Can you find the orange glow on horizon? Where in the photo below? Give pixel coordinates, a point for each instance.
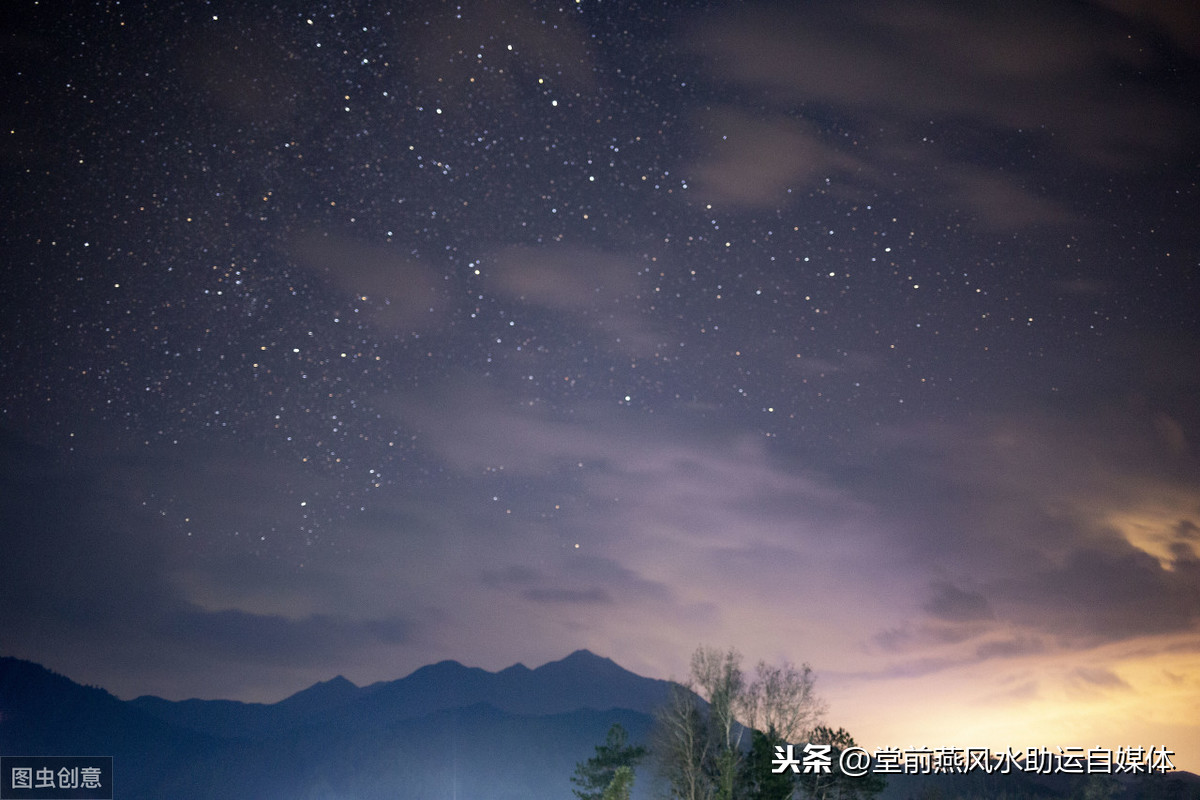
(1120, 695)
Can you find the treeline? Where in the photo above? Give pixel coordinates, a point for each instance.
(727, 735)
(724, 734)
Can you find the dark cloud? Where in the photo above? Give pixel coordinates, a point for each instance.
(1018, 69)
(1010, 648)
(514, 575)
(958, 646)
(593, 596)
(228, 635)
(932, 77)
(923, 636)
(1180, 22)
(538, 587)
(95, 583)
(1096, 594)
(953, 604)
(589, 581)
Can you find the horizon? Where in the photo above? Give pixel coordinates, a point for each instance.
(355, 684)
(995, 747)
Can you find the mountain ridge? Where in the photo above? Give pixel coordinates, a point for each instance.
(441, 732)
(580, 680)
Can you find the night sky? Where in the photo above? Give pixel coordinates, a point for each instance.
(350, 337)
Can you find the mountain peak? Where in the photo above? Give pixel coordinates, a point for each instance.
(322, 694)
(515, 669)
(339, 681)
(445, 670)
(582, 661)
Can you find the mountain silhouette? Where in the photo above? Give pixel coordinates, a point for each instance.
(581, 680)
(444, 731)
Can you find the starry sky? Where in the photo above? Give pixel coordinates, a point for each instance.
(349, 337)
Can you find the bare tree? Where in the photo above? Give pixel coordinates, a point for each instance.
(782, 702)
(681, 744)
(718, 674)
(698, 742)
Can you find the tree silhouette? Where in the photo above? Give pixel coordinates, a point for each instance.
(596, 775)
(759, 779)
(835, 784)
(620, 785)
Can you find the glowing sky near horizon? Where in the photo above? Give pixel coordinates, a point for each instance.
(347, 338)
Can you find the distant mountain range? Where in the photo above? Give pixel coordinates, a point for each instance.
(582, 680)
(445, 732)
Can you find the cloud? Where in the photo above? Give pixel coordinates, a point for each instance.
(564, 278)
(697, 523)
(754, 162)
(248, 638)
(1070, 526)
(932, 647)
(1100, 678)
(999, 201)
(924, 636)
(592, 596)
(1172, 433)
(393, 291)
(585, 580)
(1018, 694)
(1043, 65)
(1010, 648)
(1178, 21)
(597, 294)
(953, 604)
(997, 537)
(94, 583)
(1099, 594)
(977, 107)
